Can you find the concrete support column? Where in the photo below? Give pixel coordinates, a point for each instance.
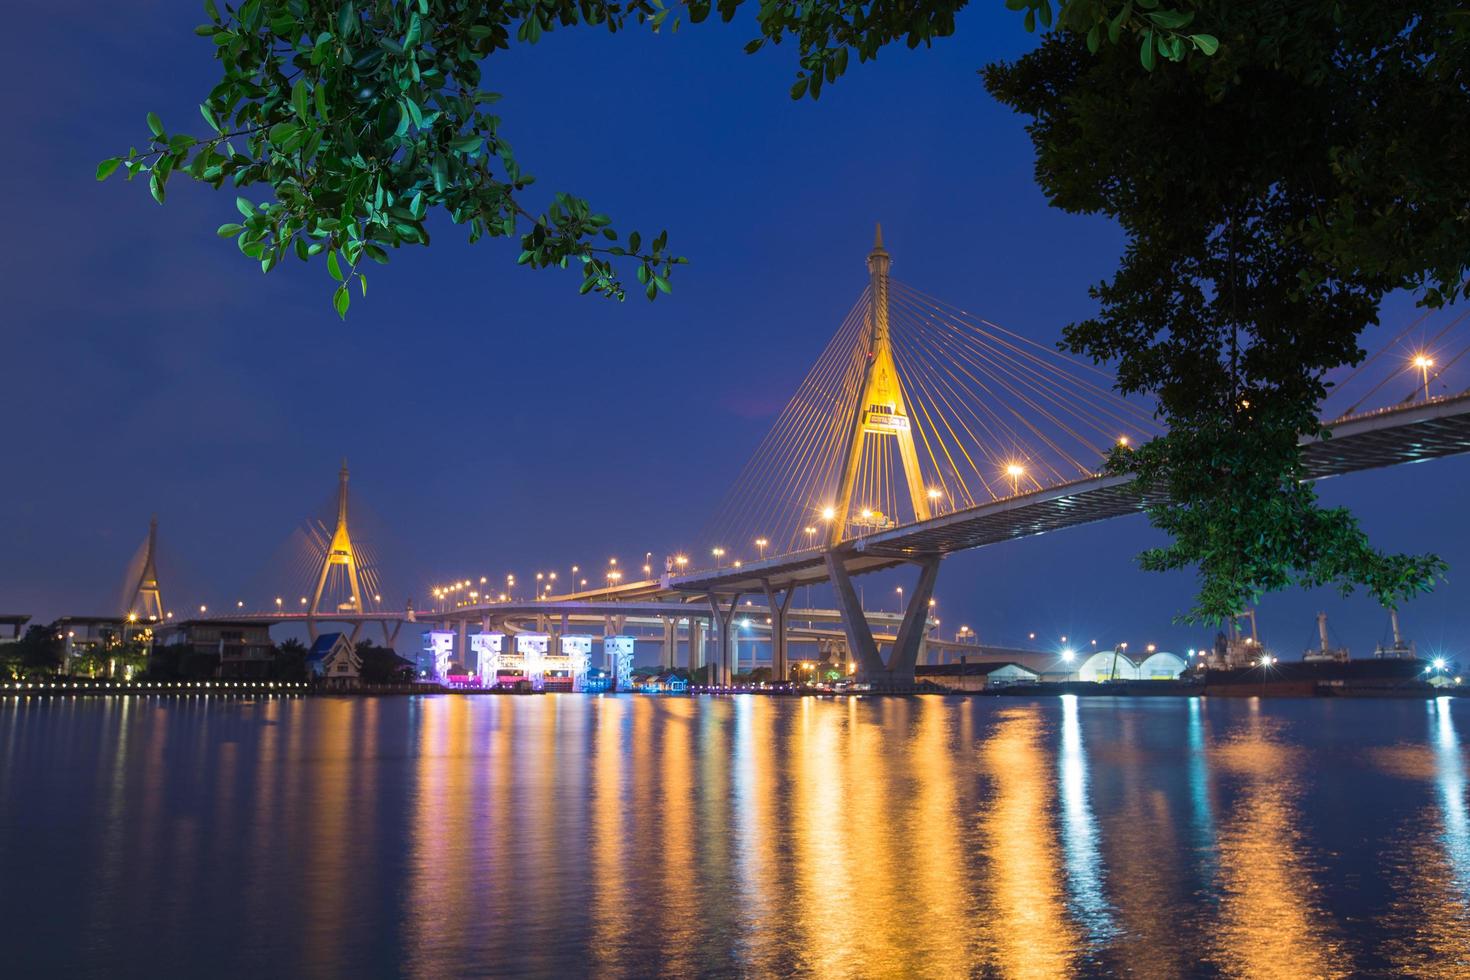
(671, 642)
(696, 644)
(910, 638)
(461, 645)
(780, 667)
(720, 621)
(860, 644)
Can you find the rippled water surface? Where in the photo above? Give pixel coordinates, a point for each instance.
(459, 836)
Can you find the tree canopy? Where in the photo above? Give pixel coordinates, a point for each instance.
(363, 117)
(1271, 196)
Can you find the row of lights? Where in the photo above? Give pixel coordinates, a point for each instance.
(59, 685)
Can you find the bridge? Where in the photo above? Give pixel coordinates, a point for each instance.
(920, 432)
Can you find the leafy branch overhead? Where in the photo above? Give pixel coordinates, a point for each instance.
(1272, 197)
(363, 116)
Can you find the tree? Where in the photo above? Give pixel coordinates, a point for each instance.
(1271, 197)
(288, 661)
(363, 116)
(40, 651)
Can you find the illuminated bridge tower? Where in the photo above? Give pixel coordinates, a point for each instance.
(339, 552)
(146, 602)
(880, 410)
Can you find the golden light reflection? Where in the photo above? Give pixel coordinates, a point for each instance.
(676, 833)
(1028, 933)
(940, 872)
(613, 836)
(1270, 920)
(439, 897)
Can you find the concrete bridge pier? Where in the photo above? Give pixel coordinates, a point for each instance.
(695, 652)
(721, 618)
(779, 608)
(898, 672)
(669, 650)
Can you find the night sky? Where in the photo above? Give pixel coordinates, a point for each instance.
(494, 420)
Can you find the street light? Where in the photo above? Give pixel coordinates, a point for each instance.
(761, 544)
(899, 590)
(810, 535)
(1424, 363)
(1015, 471)
(718, 553)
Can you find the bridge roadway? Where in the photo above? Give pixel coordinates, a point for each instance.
(1407, 434)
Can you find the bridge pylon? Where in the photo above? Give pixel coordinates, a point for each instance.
(339, 552)
(880, 409)
(146, 601)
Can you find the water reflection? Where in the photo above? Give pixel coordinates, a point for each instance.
(1079, 831)
(628, 836)
(1028, 933)
(1430, 854)
(1271, 923)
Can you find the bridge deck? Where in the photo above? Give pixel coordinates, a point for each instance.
(1408, 434)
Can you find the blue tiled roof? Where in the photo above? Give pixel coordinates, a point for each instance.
(323, 646)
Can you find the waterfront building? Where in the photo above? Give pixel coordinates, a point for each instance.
(967, 676)
(16, 624)
(1115, 665)
(243, 647)
(333, 661)
(434, 656)
(1107, 665)
(1161, 666)
(88, 634)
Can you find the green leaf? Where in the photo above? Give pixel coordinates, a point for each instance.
(106, 167)
(155, 125)
(244, 207)
(347, 19)
(1146, 51)
(229, 230)
(362, 281)
(341, 300)
(208, 116)
(1094, 38)
(333, 267)
(300, 97)
(155, 186)
(799, 89)
(1205, 42)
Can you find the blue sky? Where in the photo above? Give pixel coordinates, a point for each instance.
(495, 420)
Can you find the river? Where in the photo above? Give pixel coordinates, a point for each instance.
(446, 836)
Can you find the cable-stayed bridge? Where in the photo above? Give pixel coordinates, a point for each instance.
(921, 431)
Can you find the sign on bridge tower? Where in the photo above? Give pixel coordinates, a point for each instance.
(339, 552)
(146, 602)
(880, 411)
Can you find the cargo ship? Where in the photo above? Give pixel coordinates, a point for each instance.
(1241, 666)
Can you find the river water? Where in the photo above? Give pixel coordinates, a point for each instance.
(446, 836)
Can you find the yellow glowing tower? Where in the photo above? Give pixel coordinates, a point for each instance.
(880, 409)
(339, 552)
(146, 601)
